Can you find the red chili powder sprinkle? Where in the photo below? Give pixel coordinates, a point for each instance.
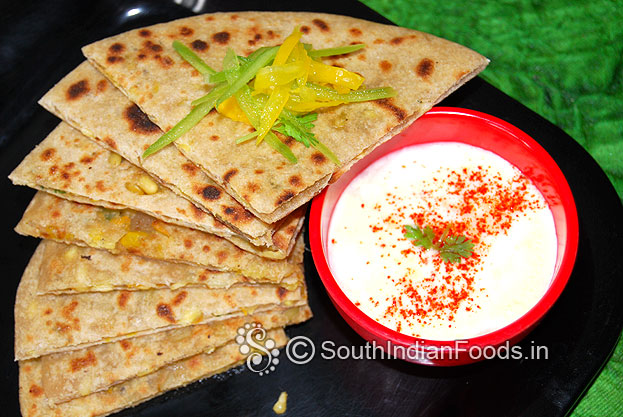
(481, 204)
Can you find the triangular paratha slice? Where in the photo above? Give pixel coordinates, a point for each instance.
(34, 403)
(130, 232)
(102, 113)
(75, 168)
(70, 375)
(47, 324)
(423, 69)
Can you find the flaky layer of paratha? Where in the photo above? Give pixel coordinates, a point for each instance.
(75, 168)
(47, 324)
(422, 69)
(128, 231)
(75, 269)
(75, 374)
(34, 403)
(88, 102)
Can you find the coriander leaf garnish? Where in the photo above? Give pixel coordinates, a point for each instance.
(451, 248)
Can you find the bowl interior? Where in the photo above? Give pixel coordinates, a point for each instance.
(487, 132)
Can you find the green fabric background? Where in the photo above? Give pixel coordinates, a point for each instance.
(564, 60)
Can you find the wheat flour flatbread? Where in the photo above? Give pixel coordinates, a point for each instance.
(423, 69)
(73, 167)
(70, 375)
(130, 232)
(34, 403)
(87, 101)
(47, 324)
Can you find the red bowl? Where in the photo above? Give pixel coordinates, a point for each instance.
(446, 124)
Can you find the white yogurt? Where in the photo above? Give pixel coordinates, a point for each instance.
(412, 290)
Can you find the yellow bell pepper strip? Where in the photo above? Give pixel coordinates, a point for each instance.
(336, 76)
(274, 75)
(276, 101)
(287, 47)
(251, 107)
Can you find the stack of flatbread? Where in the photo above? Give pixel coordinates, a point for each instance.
(149, 266)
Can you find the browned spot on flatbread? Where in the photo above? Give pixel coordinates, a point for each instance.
(77, 90)
(138, 121)
(211, 193)
(100, 186)
(125, 265)
(69, 309)
(35, 390)
(238, 214)
(253, 187)
(425, 68)
(397, 41)
(271, 34)
(197, 212)
(321, 24)
(229, 174)
(289, 141)
(188, 243)
(221, 256)
(205, 248)
(164, 311)
(257, 37)
(285, 196)
(305, 29)
(378, 41)
(234, 17)
(165, 61)
(214, 137)
(116, 48)
(190, 168)
(199, 45)
(318, 159)
(142, 56)
(209, 18)
(102, 85)
(153, 46)
(355, 31)
(203, 276)
(259, 171)
(122, 298)
(221, 38)
(47, 154)
(388, 104)
(110, 142)
(279, 241)
(186, 31)
(80, 363)
(125, 344)
(460, 74)
(295, 181)
(87, 159)
(282, 292)
(385, 65)
(144, 33)
(48, 311)
(179, 298)
(113, 59)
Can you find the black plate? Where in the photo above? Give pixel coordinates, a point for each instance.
(40, 43)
